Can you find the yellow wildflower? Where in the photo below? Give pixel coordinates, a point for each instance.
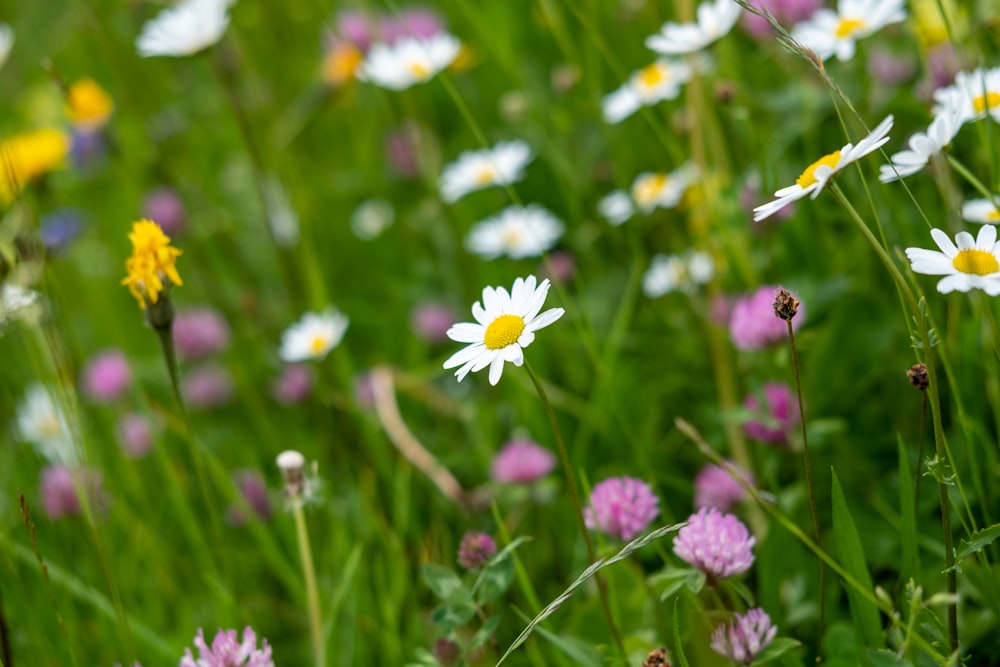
(87, 104)
(27, 156)
(151, 267)
(340, 64)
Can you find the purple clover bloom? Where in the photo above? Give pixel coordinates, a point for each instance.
(476, 550)
(621, 507)
(164, 206)
(787, 12)
(210, 386)
(200, 332)
(227, 651)
(431, 321)
(715, 487)
(743, 639)
(135, 434)
(778, 417)
(753, 324)
(522, 462)
(293, 385)
(107, 376)
(718, 544)
(60, 495)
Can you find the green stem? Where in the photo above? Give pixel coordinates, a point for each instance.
(312, 593)
(809, 482)
(971, 178)
(991, 319)
(602, 586)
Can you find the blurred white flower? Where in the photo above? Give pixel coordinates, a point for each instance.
(830, 32)
(923, 145)
(660, 81)
(818, 174)
(281, 217)
(474, 170)
(668, 273)
(517, 232)
(408, 61)
(714, 20)
(42, 422)
(652, 190)
(983, 211)
(977, 93)
(313, 336)
(371, 218)
(616, 207)
(14, 300)
(184, 29)
(6, 42)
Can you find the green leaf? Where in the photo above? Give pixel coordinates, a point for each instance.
(776, 649)
(852, 557)
(674, 579)
(445, 584)
(976, 543)
(447, 617)
(907, 516)
(885, 658)
(483, 634)
(682, 660)
(496, 579)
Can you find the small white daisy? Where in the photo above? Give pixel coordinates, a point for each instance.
(830, 33)
(667, 273)
(653, 190)
(42, 422)
(505, 325)
(714, 20)
(978, 93)
(983, 211)
(6, 42)
(408, 61)
(923, 145)
(616, 207)
(818, 174)
(313, 336)
(184, 29)
(517, 232)
(966, 264)
(474, 170)
(654, 83)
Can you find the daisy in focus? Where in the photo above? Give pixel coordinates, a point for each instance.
(151, 268)
(505, 324)
(714, 20)
(184, 29)
(924, 145)
(830, 33)
(966, 263)
(668, 273)
(818, 174)
(409, 61)
(517, 232)
(313, 336)
(654, 83)
(474, 170)
(983, 211)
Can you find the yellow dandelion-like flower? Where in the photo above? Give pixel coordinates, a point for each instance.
(88, 105)
(25, 157)
(341, 63)
(151, 267)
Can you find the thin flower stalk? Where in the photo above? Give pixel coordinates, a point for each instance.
(312, 592)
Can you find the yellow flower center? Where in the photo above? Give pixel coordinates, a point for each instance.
(808, 177)
(974, 260)
(993, 215)
(511, 237)
(503, 331)
(487, 174)
(986, 102)
(87, 104)
(318, 344)
(419, 71)
(652, 75)
(50, 426)
(848, 27)
(647, 189)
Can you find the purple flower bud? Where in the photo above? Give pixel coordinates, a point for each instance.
(777, 419)
(560, 268)
(745, 637)
(253, 488)
(786, 12)
(717, 544)
(206, 387)
(135, 434)
(164, 206)
(621, 507)
(476, 550)
(715, 487)
(107, 376)
(431, 321)
(59, 487)
(200, 332)
(521, 462)
(293, 385)
(227, 651)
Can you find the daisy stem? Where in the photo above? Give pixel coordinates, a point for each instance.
(984, 305)
(312, 593)
(602, 586)
(971, 178)
(942, 452)
(809, 481)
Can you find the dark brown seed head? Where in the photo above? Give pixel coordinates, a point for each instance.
(657, 658)
(917, 375)
(785, 305)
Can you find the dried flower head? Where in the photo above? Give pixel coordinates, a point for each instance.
(657, 658)
(151, 269)
(718, 544)
(917, 375)
(785, 305)
(292, 465)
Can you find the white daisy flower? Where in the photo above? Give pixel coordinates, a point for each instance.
(184, 29)
(715, 20)
(983, 211)
(818, 174)
(616, 207)
(474, 170)
(978, 93)
(517, 232)
(966, 263)
(408, 61)
(667, 273)
(6, 42)
(505, 325)
(923, 145)
(42, 422)
(830, 33)
(660, 81)
(313, 336)
(652, 190)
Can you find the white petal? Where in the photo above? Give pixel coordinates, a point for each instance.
(465, 355)
(466, 332)
(945, 243)
(496, 369)
(545, 319)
